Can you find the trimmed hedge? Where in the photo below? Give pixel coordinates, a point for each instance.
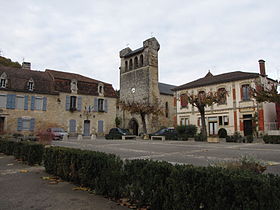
(29, 152)
(159, 185)
(162, 185)
(271, 139)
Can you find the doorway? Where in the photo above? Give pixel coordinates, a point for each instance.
(133, 125)
(247, 125)
(87, 128)
(213, 126)
(2, 121)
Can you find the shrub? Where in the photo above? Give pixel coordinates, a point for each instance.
(248, 163)
(271, 139)
(186, 130)
(249, 139)
(97, 170)
(222, 133)
(235, 138)
(29, 152)
(181, 129)
(199, 137)
(191, 130)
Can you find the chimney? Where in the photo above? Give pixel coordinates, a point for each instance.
(262, 67)
(26, 65)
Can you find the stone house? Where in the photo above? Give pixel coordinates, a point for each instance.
(31, 101)
(238, 112)
(139, 83)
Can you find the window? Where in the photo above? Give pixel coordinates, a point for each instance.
(30, 85)
(199, 121)
(184, 100)
(135, 62)
(100, 89)
(3, 83)
(184, 121)
(222, 96)
(25, 124)
(73, 100)
(74, 87)
(3, 101)
(126, 66)
(202, 95)
(166, 109)
(130, 64)
(101, 105)
(141, 61)
(38, 103)
(223, 120)
(3, 80)
(20, 102)
(245, 92)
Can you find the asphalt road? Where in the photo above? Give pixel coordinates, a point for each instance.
(22, 187)
(182, 152)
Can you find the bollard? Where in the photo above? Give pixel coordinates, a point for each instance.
(65, 138)
(93, 137)
(80, 137)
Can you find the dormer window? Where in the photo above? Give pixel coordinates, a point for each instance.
(100, 89)
(3, 80)
(30, 85)
(74, 87)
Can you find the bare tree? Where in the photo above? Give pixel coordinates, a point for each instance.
(202, 100)
(142, 109)
(265, 93)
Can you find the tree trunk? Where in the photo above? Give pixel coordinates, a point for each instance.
(201, 110)
(143, 115)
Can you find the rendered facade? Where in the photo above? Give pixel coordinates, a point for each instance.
(239, 112)
(31, 101)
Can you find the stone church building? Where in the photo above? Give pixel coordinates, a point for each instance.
(139, 83)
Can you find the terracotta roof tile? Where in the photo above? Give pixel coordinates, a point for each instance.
(210, 79)
(18, 79)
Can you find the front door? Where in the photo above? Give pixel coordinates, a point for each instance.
(248, 129)
(86, 128)
(133, 125)
(213, 128)
(2, 120)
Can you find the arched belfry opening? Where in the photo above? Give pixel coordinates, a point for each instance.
(134, 126)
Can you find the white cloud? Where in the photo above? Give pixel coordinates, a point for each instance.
(86, 36)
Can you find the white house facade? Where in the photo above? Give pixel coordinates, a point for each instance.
(238, 112)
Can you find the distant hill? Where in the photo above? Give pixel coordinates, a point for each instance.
(8, 62)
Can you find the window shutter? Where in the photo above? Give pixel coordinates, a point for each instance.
(19, 124)
(25, 102)
(72, 126)
(100, 126)
(45, 104)
(67, 104)
(32, 124)
(32, 103)
(241, 92)
(79, 103)
(9, 101)
(13, 101)
(95, 104)
(106, 105)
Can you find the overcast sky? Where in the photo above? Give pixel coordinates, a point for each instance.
(86, 36)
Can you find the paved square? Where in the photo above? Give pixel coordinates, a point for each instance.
(181, 152)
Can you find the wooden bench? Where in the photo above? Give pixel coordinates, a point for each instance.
(162, 138)
(128, 137)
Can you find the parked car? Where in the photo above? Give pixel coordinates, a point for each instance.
(117, 133)
(57, 133)
(169, 133)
